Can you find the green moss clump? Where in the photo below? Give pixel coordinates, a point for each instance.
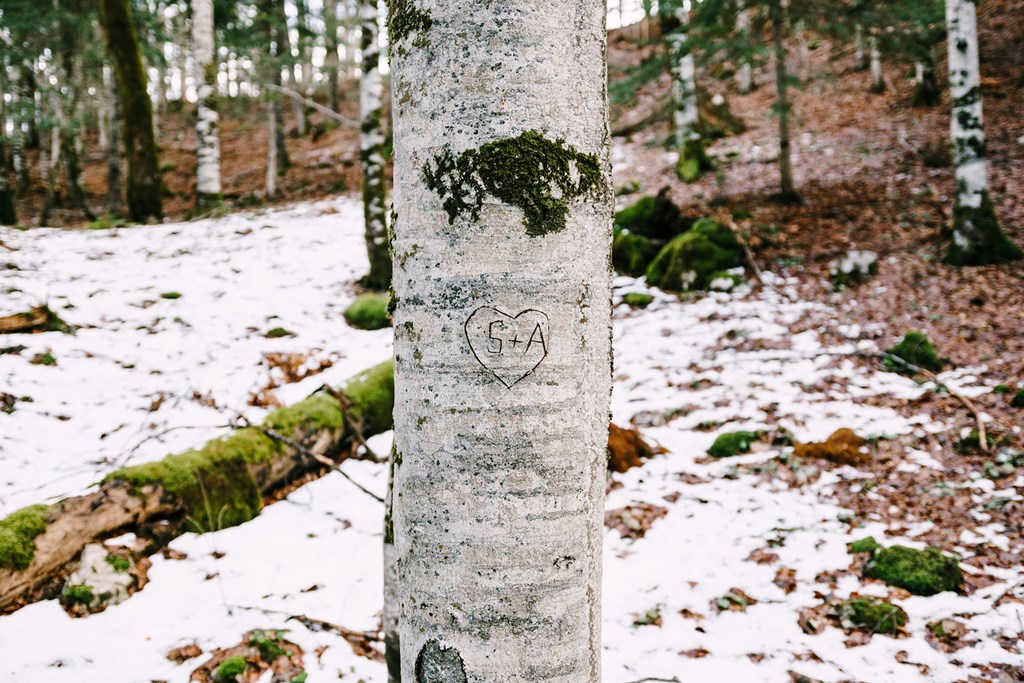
(981, 240)
(690, 260)
(316, 412)
(916, 349)
(631, 254)
(106, 222)
(922, 572)
(171, 295)
(368, 312)
(522, 171)
(405, 20)
(277, 333)
(1018, 399)
(864, 545)
(656, 217)
(873, 615)
(732, 443)
(77, 595)
(120, 564)
(373, 398)
(230, 669)
(268, 644)
(637, 299)
(18, 532)
(693, 160)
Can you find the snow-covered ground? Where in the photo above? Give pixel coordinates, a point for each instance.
(678, 368)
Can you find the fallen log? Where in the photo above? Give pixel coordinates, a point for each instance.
(36, 319)
(224, 483)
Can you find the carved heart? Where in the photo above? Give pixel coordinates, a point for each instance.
(510, 347)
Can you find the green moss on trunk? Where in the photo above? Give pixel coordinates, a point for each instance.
(523, 171)
(144, 186)
(693, 160)
(18, 533)
(977, 238)
(405, 20)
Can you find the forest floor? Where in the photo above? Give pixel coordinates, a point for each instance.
(715, 568)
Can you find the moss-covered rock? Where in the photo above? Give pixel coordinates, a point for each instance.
(656, 217)
(368, 312)
(864, 545)
(922, 572)
(18, 532)
(916, 349)
(631, 254)
(732, 443)
(870, 614)
(1018, 399)
(689, 260)
(637, 299)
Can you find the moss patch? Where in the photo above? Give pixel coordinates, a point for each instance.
(922, 572)
(18, 533)
(1018, 399)
(873, 615)
(404, 20)
(732, 443)
(369, 312)
(985, 241)
(77, 595)
(916, 349)
(656, 217)
(373, 398)
(637, 299)
(524, 171)
(864, 545)
(230, 669)
(689, 260)
(631, 254)
(693, 161)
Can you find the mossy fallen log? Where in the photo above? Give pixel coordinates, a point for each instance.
(221, 484)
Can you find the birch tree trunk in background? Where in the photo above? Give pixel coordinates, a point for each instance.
(860, 55)
(371, 94)
(692, 159)
(115, 206)
(143, 187)
(208, 178)
(331, 59)
(502, 337)
(926, 85)
(745, 74)
(977, 237)
(7, 213)
(877, 77)
(778, 17)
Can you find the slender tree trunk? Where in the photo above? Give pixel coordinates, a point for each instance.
(860, 55)
(977, 237)
(272, 156)
(331, 45)
(208, 180)
(745, 74)
(52, 170)
(782, 109)
(8, 215)
(877, 77)
(502, 353)
(692, 159)
(350, 31)
(280, 57)
(926, 85)
(391, 608)
(28, 96)
(115, 205)
(72, 120)
(371, 95)
(181, 56)
(144, 187)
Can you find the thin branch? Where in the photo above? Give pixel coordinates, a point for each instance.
(356, 425)
(329, 113)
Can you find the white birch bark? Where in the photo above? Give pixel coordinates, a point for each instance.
(371, 95)
(977, 237)
(745, 74)
(686, 117)
(860, 55)
(208, 176)
(877, 77)
(502, 344)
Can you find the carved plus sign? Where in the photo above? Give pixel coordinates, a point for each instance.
(514, 341)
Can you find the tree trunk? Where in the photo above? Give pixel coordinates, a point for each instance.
(502, 346)
(977, 237)
(745, 74)
(331, 45)
(926, 85)
(71, 120)
(272, 155)
(693, 161)
(28, 96)
(860, 55)
(208, 180)
(219, 485)
(371, 94)
(144, 187)
(8, 216)
(182, 55)
(115, 206)
(280, 57)
(877, 77)
(788, 192)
